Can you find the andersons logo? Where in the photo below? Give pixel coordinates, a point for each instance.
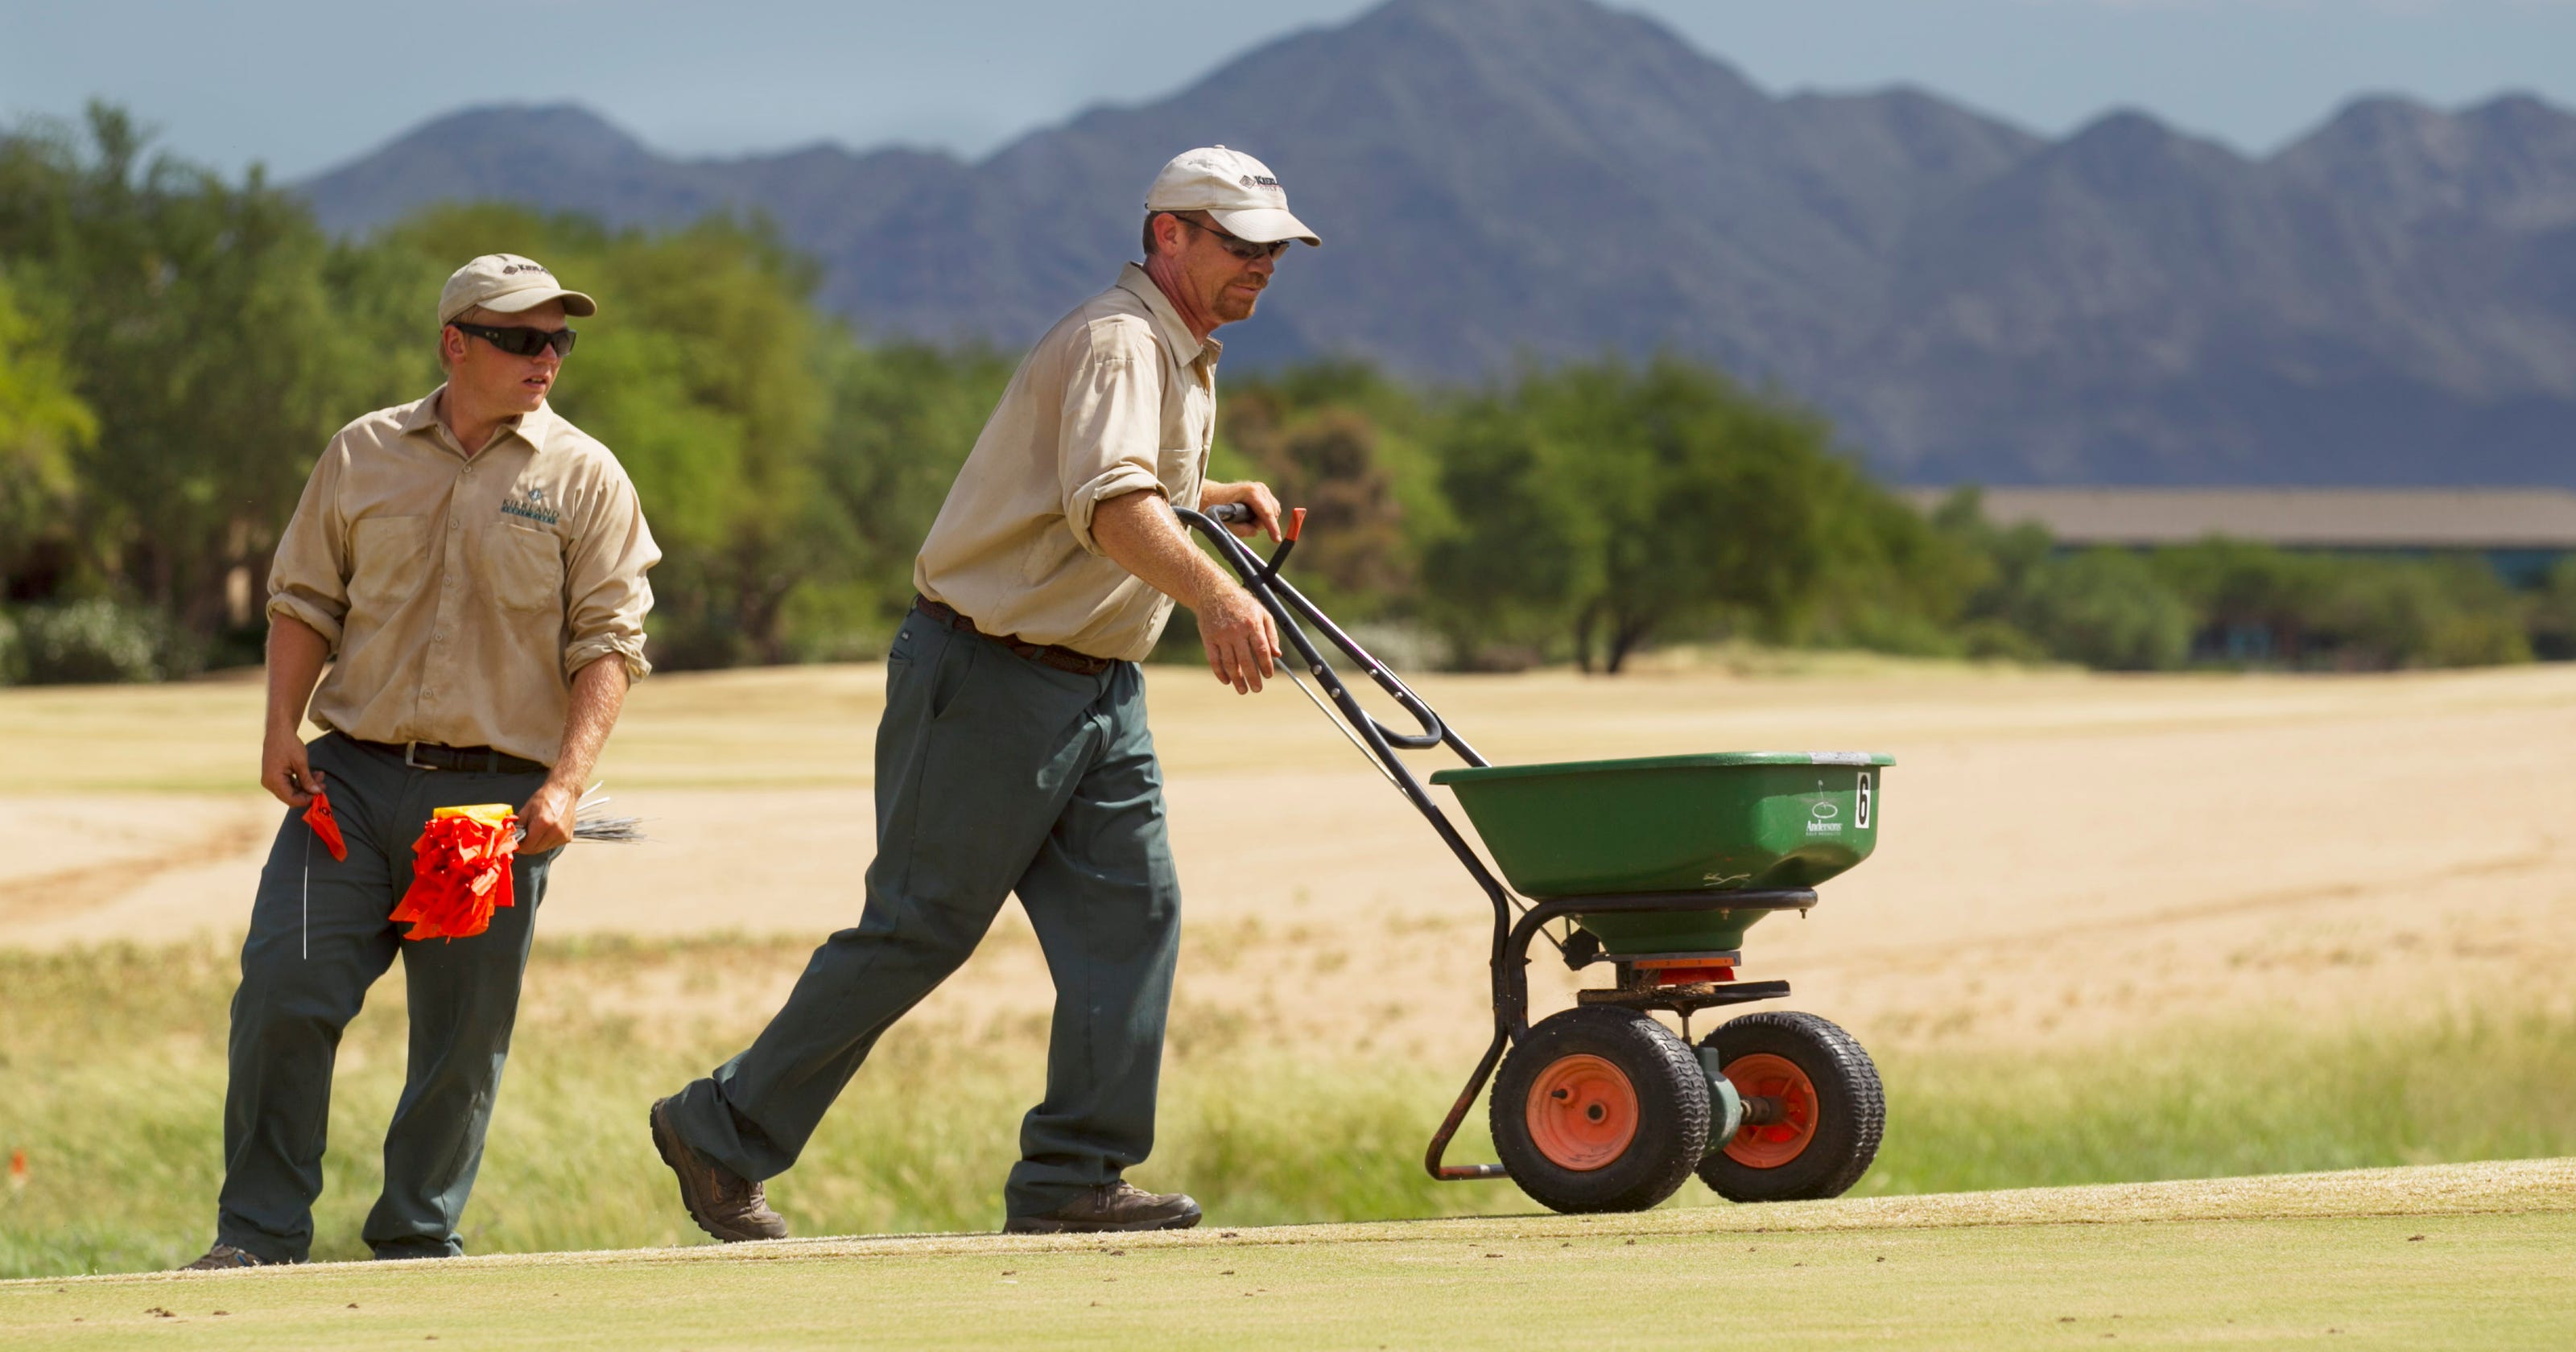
(532, 505)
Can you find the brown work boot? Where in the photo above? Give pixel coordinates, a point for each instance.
(224, 1258)
(1111, 1206)
(723, 1203)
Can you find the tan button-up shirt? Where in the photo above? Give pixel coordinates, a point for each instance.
(460, 594)
(1116, 398)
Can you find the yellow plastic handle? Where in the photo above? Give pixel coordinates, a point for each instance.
(495, 815)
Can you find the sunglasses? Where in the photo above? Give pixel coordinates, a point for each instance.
(519, 342)
(1237, 245)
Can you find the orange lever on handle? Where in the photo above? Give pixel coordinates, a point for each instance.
(1296, 521)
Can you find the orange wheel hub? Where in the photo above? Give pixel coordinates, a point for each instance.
(1762, 1075)
(1582, 1112)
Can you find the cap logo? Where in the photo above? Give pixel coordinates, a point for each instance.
(514, 269)
(1264, 180)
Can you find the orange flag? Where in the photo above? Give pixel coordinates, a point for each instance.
(460, 872)
(319, 817)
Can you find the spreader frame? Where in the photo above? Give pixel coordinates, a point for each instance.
(1509, 952)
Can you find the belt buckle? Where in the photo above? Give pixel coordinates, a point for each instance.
(411, 756)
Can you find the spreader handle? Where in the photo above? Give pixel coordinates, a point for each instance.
(1260, 574)
(1237, 514)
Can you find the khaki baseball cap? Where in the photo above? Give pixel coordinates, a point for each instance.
(507, 284)
(1236, 189)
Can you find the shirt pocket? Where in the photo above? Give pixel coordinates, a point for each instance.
(521, 569)
(388, 563)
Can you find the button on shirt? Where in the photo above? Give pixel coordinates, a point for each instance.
(459, 594)
(1117, 398)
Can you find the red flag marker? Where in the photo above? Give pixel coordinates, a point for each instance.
(326, 826)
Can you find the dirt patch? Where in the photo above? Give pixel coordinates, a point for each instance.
(2065, 856)
(63, 859)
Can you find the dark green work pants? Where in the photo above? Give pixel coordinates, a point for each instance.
(995, 774)
(314, 949)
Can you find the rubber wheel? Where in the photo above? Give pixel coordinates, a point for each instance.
(1600, 1109)
(1833, 1109)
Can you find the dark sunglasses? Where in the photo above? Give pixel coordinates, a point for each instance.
(1236, 244)
(519, 342)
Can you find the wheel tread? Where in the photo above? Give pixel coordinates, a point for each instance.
(1848, 1075)
(1674, 1104)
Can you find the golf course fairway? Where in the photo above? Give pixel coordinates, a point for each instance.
(2469, 1256)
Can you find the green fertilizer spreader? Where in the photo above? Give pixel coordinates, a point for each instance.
(1651, 868)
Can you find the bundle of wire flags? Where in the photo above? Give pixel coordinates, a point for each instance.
(460, 872)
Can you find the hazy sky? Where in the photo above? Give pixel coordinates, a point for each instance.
(302, 84)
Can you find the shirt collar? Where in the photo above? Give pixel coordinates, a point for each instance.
(422, 414)
(536, 427)
(531, 428)
(1177, 338)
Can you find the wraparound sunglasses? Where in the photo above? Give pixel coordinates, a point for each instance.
(519, 341)
(1235, 244)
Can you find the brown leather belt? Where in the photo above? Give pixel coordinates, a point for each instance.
(1045, 654)
(471, 759)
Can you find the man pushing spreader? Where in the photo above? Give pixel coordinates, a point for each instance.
(1013, 755)
(472, 568)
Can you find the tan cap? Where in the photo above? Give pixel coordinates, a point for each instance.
(1238, 190)
(507, 284)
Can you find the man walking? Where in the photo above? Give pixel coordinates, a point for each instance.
(1013, 755)
(472, 566)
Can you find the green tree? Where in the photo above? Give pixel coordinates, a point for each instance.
(2105, 608)
(903, 418)
(201, 324)
(1900, 582)
(2001, 563)
(1519, 559)
(2240, 588)
(2552, 622)
(1326, 455)
(1609, 503)
(43, 427)
(2384, 613)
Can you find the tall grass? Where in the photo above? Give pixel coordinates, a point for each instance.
(2221, 1099)
(112, 1079)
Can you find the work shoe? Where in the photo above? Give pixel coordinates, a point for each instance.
(1111, 1206)
(224, 1258)
(723, 1203)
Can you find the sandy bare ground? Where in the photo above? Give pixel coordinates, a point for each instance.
(2063, 855)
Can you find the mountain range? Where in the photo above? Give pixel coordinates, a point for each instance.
(2389, 300)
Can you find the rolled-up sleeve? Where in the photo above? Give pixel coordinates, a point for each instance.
(308, 581)
(1112, 429)
(605, 588)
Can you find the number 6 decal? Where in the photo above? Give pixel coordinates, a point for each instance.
(1860, 817)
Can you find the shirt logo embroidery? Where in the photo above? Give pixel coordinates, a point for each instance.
(532, 506)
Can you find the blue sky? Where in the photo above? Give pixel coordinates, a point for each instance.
(301, 84)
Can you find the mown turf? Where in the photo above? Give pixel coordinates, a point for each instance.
(2252, 1262)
